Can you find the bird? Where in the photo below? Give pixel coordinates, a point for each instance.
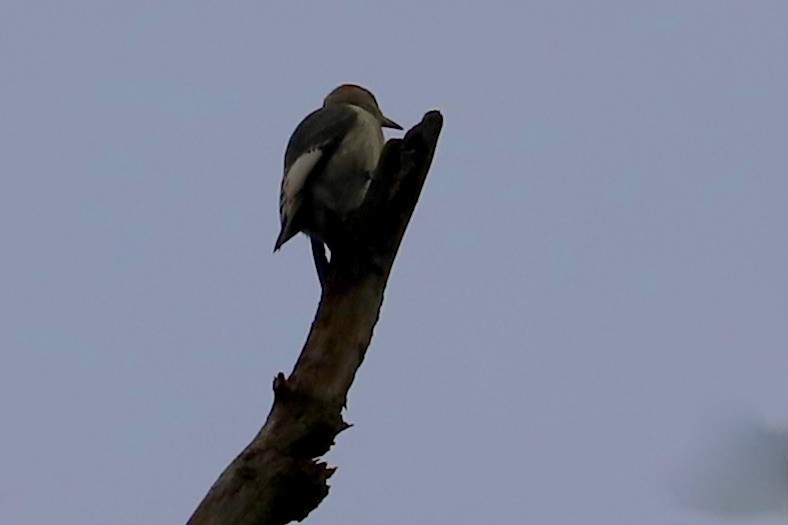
(328, 167)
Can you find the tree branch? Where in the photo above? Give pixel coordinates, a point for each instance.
(277, 479)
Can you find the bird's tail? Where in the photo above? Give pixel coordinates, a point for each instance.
(285, 235)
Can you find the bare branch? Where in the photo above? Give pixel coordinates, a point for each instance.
(277, 478)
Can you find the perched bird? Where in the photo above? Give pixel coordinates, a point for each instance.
(328, 165)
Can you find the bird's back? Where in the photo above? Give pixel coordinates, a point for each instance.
(320, 129)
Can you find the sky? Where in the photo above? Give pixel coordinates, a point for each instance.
(587, 320)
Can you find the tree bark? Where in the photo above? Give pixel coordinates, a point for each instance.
(277, 478)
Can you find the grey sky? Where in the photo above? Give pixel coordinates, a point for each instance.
(595, 274)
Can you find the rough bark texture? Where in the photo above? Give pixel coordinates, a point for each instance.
(277, 478)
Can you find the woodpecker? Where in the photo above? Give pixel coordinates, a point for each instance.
(328, 168)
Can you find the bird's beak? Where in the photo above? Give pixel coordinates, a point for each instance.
(388, 123)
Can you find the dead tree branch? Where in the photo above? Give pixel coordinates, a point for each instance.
(277, 478)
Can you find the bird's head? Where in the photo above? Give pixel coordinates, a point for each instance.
(361, 97)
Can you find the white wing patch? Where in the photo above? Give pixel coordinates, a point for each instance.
(293, 183)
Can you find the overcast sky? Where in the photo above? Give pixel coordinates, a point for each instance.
(588, 319)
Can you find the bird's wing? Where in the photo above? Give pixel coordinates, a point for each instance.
(293, 182)
(322, 128)
(311, 145)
